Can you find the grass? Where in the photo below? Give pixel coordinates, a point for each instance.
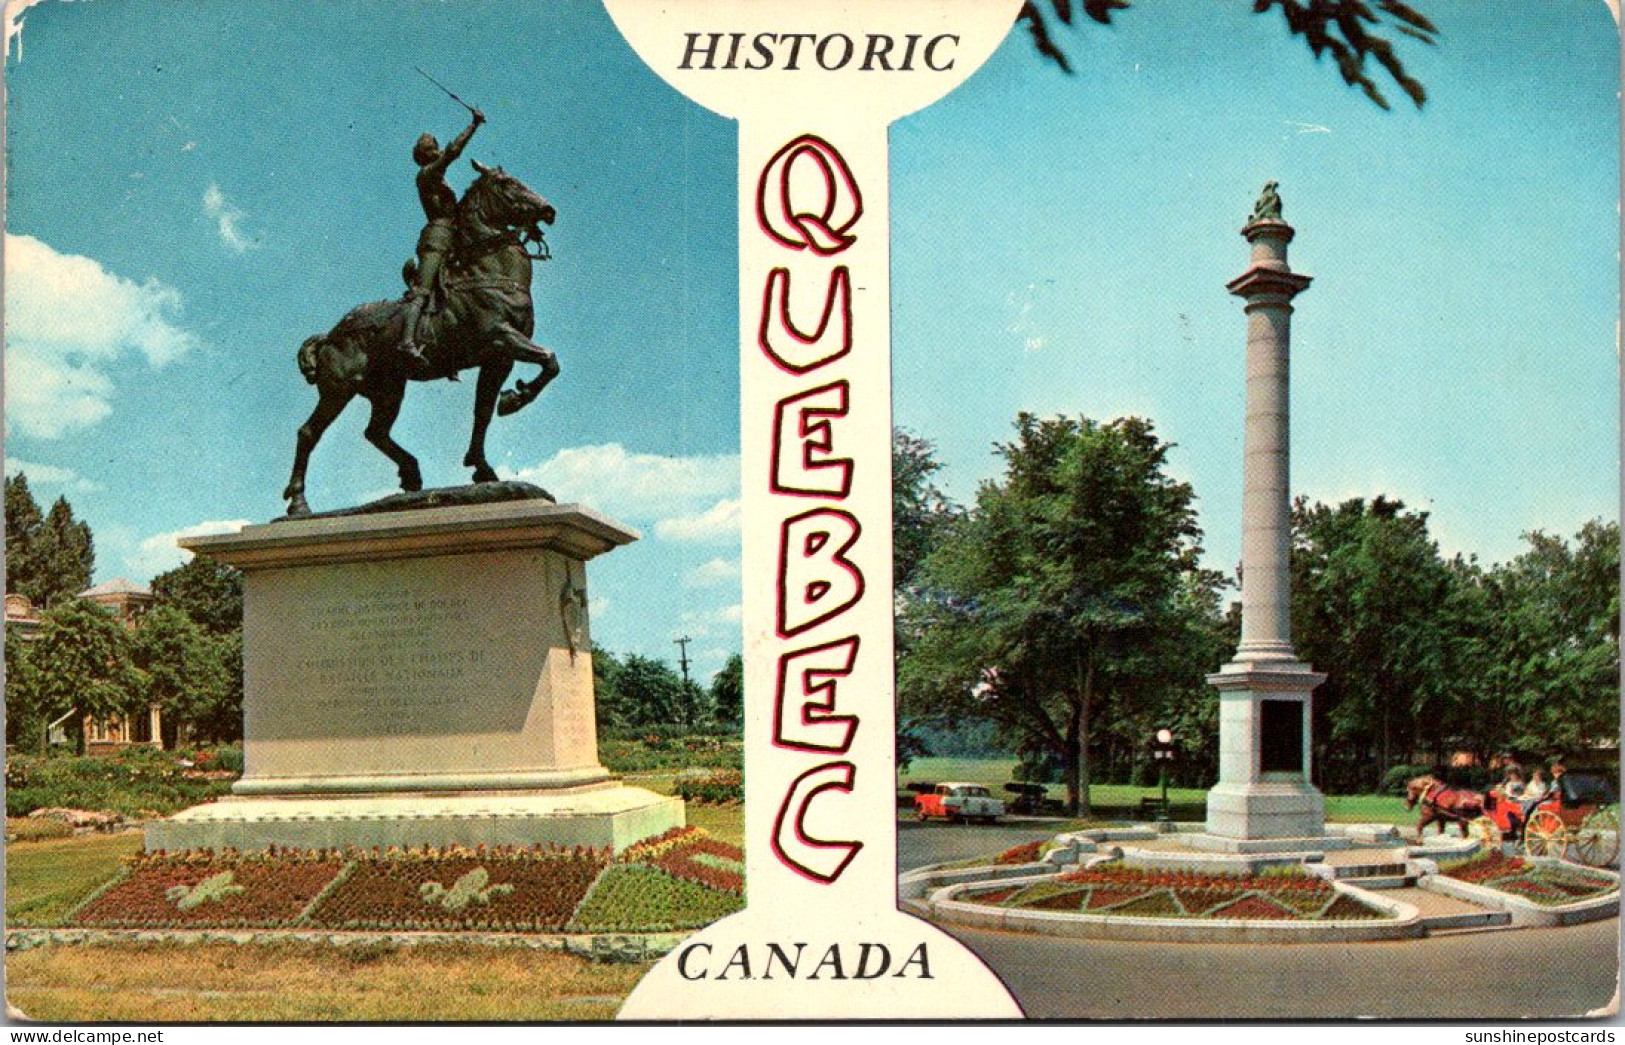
(1122, 801)
(155, 983)
(46, 880)
(726, 823)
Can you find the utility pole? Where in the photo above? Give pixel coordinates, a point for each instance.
(682, 656)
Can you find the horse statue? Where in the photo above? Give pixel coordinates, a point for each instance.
(1442, 804)
(486, 321)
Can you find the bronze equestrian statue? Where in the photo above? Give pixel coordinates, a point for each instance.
(485, 321)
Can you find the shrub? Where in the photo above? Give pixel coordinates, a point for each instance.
(25, 829)
(651, 747)
(137, 782)
(722, 786)
(1394, 781)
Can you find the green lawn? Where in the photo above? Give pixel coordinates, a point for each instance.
(46, 880)
(1122, 801)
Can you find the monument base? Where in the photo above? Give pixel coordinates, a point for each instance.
(610, 816)
(1268, 811)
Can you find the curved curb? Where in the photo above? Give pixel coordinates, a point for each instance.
(621, 947)
(1404, 921)
(1526, 912)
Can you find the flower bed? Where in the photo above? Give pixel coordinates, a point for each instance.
(640, 898)
(196, 890)
(1114, 889)
(1020, 854)
(520, 890)
(716, 788)
(681, 880)
(1547, 884)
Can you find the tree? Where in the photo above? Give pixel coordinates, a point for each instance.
(921, 513)
(220, 719)
(1369, 588)
(49, 557)
(207, 591)
(81, 660)
(921, 516)
(185, 673)
(26, 714)
(651, 692)
(728, 693)
(1555, 636)
(609, 703)
(1063, 594)
(67, 553)
(1350, 30)
(23, 523)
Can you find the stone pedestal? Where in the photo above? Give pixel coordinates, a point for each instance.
(1264, 754)
(420, 676)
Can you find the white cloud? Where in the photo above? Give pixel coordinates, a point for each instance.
(229, 220)
(67, 320)
(159, 552)
(634, 486)
(51, 475)
(717, 523)
(706, 623)
(708, 574)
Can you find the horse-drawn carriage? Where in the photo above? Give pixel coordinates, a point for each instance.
(1578, 819)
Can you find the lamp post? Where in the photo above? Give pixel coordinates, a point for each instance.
(1163, 750)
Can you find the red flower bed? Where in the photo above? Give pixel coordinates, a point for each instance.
(1488, 867)
(1149, 878)
(1253, 907)
(1195, 901)
(995, 896)
(1101, 896)
(1020, 854)
(504, 891)
(1068, 901)
(195, 891)
(681, 864)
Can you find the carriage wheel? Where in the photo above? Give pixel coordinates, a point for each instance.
(1486, 831)
(1545, 835)
(1597, 842)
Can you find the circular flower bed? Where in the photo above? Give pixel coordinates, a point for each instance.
(1115, 889)
(1546, 884)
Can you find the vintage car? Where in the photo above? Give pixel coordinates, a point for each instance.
(959, 801)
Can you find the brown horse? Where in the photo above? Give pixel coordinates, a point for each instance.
(1442, 804)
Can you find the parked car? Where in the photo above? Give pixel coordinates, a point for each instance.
(1033, 799)
(959, 801)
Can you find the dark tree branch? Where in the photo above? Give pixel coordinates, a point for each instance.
(1348, 29)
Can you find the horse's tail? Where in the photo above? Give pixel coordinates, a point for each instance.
(307, 357)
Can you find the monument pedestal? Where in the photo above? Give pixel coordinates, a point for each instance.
(420, 676)
(1264, 791)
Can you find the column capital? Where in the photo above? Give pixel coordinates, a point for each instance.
(1262, 280)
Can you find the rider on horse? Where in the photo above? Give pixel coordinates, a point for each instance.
(440, 208)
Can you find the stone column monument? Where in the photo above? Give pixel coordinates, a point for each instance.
(419, 672)
(1264, 691)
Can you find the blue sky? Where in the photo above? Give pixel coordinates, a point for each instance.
(1061, 245)
(194, 189)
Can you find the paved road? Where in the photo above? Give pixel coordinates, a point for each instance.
(1464, 976)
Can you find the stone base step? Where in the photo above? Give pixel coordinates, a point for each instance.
(1445, 913)
(1398, 880)
(1352, 871)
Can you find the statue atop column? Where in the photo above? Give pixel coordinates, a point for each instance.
(1268, 207)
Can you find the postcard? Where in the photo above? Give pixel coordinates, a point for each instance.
(931, 510)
